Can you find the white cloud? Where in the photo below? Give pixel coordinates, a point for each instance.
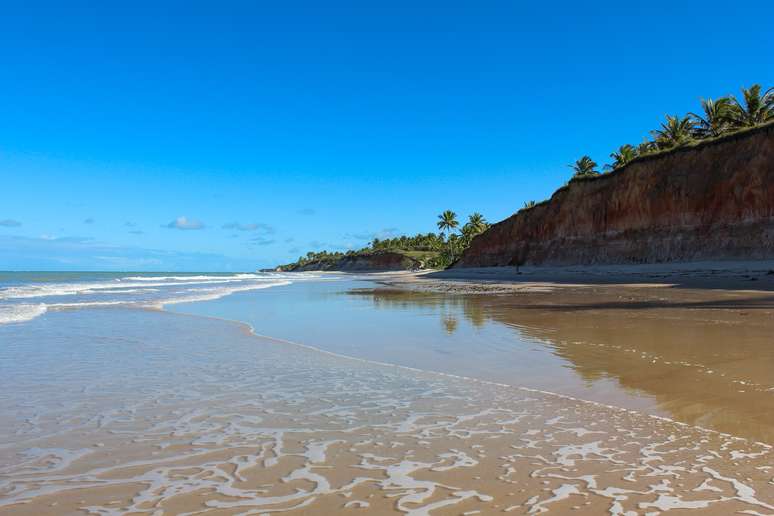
(255, 226)
(184, 223)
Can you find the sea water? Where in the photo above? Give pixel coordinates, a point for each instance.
(26, 295)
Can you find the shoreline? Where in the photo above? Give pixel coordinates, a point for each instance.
(248, 329)
(541, 312)
(739, 276)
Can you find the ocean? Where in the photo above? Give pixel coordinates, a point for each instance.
(26, 295)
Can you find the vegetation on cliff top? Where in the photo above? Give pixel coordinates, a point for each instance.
(717, 118)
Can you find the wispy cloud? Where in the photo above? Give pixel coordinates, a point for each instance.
(370, 235)
(88, 220)
(329, 246)
(10, 223)
(255, 226)
(184, 223)
(307, 211)
(66, 239)
(137, 232)
(130, 224)
(260, 241)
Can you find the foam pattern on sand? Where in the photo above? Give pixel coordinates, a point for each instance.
(164, 413)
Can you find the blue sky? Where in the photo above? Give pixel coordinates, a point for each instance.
(235, 135)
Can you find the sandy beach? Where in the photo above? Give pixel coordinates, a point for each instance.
(482, 392)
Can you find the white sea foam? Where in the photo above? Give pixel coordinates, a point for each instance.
(70, 289)
(193, 278)
(213, 294)
(20, 313)
(137, 291)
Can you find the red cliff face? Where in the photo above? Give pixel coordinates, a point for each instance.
(711, 201)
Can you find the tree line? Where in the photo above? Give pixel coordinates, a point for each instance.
(441, 249)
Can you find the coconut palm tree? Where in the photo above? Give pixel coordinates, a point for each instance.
(716, 118)
(674, 132)
(757, 108)
(622, 156)
(447, 222)
(475, 226)
(584, 167)
(646, 147)
(477, 223)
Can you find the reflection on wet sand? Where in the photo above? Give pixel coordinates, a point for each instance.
(704, 358)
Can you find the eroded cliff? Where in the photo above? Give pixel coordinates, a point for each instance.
(703, 202)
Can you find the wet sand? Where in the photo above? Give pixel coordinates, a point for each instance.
(700, 342)
(219, 421)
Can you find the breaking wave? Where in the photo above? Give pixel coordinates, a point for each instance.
(24, 301)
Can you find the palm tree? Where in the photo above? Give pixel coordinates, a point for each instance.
(475, 226)
(529, 204)
(447, 221)
(584, 167)
(477, 223)
(674, 132)
(716, 118)
(757, 108)
(467, 232)
(646, 147)
(622, 156)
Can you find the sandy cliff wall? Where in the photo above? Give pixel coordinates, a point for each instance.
(711, 201)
